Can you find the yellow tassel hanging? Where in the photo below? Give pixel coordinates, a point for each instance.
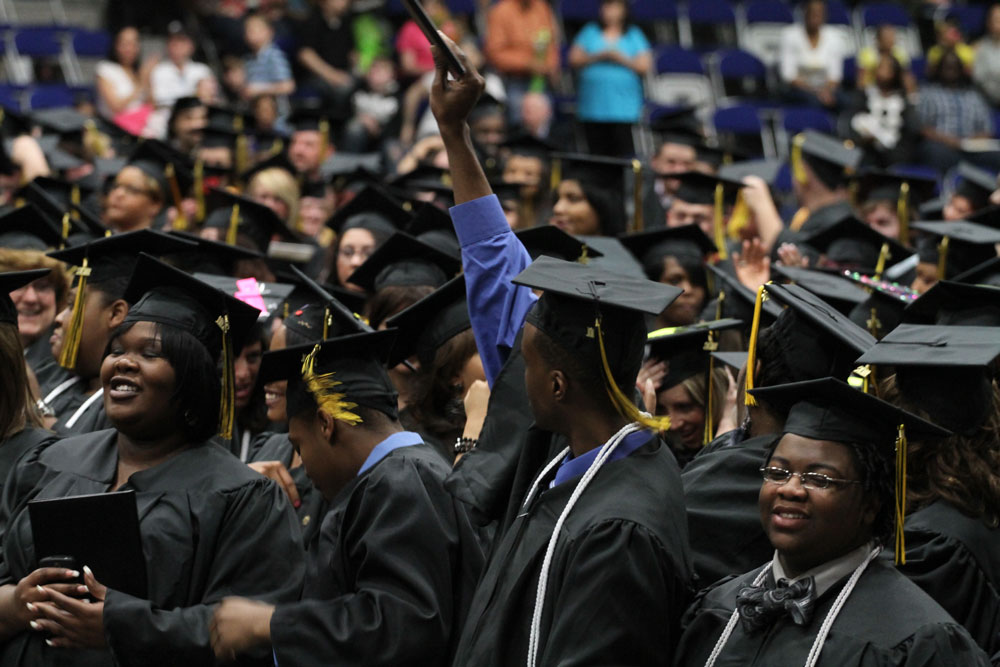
(637, 221)
(227, 402)
(874, 324)
(74, 195)
(739, 218)
(711, 345)
(74, 330)
(943, 258)
(199, 190)
(327, 321)
(883, 257)
(277, 146)
(799, 219)
(718, 224)
(752, 348)
(622, 403)
(180, 222)
(234, 225)
(555, 176)
(718, 304)
(66, 228)
(242, 153)
(799, 173)
(903, 213)
(324, 138)
(583, 259)
(322, 387)
(900, 548)
(284, 311)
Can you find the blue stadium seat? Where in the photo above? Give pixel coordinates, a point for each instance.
(797, 119)
(836, 13)
(10, 96)
(972, 18)
(763, 23)
(868, 18)
(462, 7)
(739, 119)
(677, 60)
(653, 10)
(916, 171)
(39, 41)
(850, 80)
(738, 73)
(919, 68)
(90, 43)
(712, 23)
(49, 96)
(768, 11)
(580, 11)
(679, 79)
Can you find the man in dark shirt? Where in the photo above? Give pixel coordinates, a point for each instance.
(327, 51)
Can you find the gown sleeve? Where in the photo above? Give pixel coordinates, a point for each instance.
(257, 554)
(934, 645)
(621, 603)
(398, 545)
(491, 257)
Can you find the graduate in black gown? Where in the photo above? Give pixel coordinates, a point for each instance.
(390, 580)
(827, 504)
(209, 526)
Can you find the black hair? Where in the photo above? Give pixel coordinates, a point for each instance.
(299, 401)
(113, 54)
(197, 382)
(580, 369)
(608, 207)
(934, 73)
(896, 84)
(254, 415)
(111, 289)
(628, 14)
(391, 300)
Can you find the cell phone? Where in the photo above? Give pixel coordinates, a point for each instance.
(64, 562)
(430, 31)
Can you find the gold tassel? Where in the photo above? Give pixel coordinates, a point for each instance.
(718, 304)
(284, 311)
(799, 173)
(74, 330)
(327, 321)
(739, 218)
(277, 146)
(718, 225)
(555, 176)
(180, 222)
(199, 190)
(710, 346)
(227, 402)
(874, 325)
(883, 257)
(903, 213)
(637, 221)
(324, 137)
(74, 195)
(752, 348)
(900, 495)
(625, 407)
(66, 228)
(852, 194)
(242, 154)
(583, 259)
(234, 225)
(943, 258)
(322, 389)
(96, 143)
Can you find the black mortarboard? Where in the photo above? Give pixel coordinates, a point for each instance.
(403, 261)
(27, 228)
(882, 185)
(508, 192)
(430, 323)
(597, 174)
(936, 345)
(425, 178)
(764, 169)
(882, 311)
(832, 160)
(684, 349)
(258, 222)
(738, 299)
(345, 169)
(339, 318)
(963, 245)
(851, 244)
(115, 256)
(988, 215)
(310, 118)
(956, 304)
(599, 317)
(678, 126)
(51, 197)
(337, 375)
(550, 241)
(59, 160)
(697, 187)
(650, 248)
(272, 295)
(433, 226)
(159, 293)
(226, 117)
(63, 121)
(278, 160)
(313, 189)
(169, 168)
(373, 209)
(831, 287)
(987, 273)
(185, 103)
(308, 292)
(528, 145)
(215, 136)
(975, 184)
(11, 281)
(735, 360)
(213, 257)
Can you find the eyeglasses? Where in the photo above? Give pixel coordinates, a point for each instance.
(131, 189)
(810, 480)
(348, 252)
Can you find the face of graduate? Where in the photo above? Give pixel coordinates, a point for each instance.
(673, 159)
(313, 212)
(488, 131)
(926, 277)
(957, 208)
(687, 307)
(101, 316)
(524, 169)
(471, 371)
(132, 203)
(270, 199)
(684, 213)
(305, 150)
(188, 126)
(36, 309)
(572, 212)
(139, 384)
(809, 527)
(538, 383)
(245, 368)
(327, 465)
(274, 392)
(356, 245)
(687, 418)
(883, 219)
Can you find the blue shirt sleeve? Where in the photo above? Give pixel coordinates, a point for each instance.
(589, 39)
(492, 256)
(637, 41)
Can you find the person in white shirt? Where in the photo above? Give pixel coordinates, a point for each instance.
(175, 77)
(812, 59)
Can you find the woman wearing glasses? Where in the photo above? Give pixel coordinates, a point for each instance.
(827, 505)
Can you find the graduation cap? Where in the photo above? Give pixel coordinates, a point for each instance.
(882, 311)
(507, 192)
(270, 295)
(345, 169)
(987, 273)
(697, 187)
(832, 160)
(962, 245)
(338, 318)
(403, 261)
(433, 226)
(528, 145)
(56, 201)
(308, 292)
(598, 316)
(944, 369)
(157, 292)
(278, 160)
(314, 119)
(679, 125)
(27, 228)
(430, 323)
(765, 169)
(851, 244)
(550, 241)
(216, 136)
(171, 171)
(13, 280)
(956, 304)
(831, 287)
(373, 209)
(735, 360)
(337, 375)
(59, 160)
(425, 178)
(735, 300)
(904, 191)
(652, 247)
(242, 215)
(187, 102)
(604, 174)
(975, 184)
(62, 121)
(212, 257)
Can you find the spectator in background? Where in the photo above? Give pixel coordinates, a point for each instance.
(414, 50)
(122, 84)
(176, 77)
(376, 109)
(870, 57)
(949, 38)
(611, 56)
(986, 67)
(883, 121)
(812, 59)
(327, 52)
(521, 44)
(950, 111)
(266, 71)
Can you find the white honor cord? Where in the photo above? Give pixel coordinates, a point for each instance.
(71, 422)
(63, 386)
(824, 629)
(543, 577)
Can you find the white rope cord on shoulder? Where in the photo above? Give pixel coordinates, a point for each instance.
(824, 629)
(538, 480)
(63, 386)
(96, 396)
(543, 577)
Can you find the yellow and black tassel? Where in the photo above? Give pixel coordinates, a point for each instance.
(180, 221)
(798, 165)
(752, 347)
(718, 224)
(903, 213)
(323, 389)
(74, 330)
(711, 345)
(637, 221)
(900, 548)
(622, 403)
(234, 225)
(227, 402)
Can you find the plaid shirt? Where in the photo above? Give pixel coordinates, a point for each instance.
(959, 112)
(269, 65)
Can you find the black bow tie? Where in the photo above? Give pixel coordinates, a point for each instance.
(760, 606)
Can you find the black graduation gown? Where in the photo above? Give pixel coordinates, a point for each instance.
(211, 527)
(886, 621)
(47, 371)
(12, 448)
(618, 581)
(277, 447)
(69, 398)
(92, 419)
(720, 493)
(392, 574)
(956, 560)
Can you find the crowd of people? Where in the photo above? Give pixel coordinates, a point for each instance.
(412, 369)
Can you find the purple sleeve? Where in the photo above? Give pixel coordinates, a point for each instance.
(492, 256)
